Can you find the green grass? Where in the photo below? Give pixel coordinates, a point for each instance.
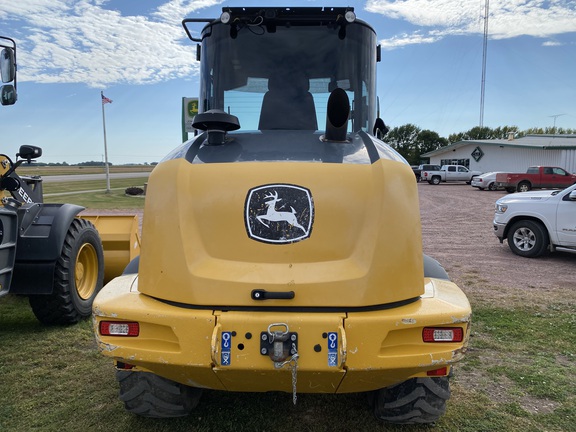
(25, 169)
(115, 199)
(519, 360)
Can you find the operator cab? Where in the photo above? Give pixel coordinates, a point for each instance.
(275, 68)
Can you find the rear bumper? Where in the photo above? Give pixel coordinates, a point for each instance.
(338, 352)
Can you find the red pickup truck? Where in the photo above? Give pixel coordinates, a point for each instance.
(535, 177)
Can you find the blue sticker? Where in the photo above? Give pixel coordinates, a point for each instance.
(225, 357)
(332, 349)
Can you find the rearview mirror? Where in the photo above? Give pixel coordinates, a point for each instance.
(29, 152)
(8, 95)
(7, 65)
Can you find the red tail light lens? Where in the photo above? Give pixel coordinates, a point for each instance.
(442, 334)
(119, 328)
(438, 372)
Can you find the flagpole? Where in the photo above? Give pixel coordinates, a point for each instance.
(105, 145)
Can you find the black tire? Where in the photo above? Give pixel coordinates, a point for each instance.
(149, 395)
(436, 180)
(417, 400)
(528, 239)
(524, 186)
(78, 277)
(492, 186)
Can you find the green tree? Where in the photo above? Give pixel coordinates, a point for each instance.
(428, 141)
(404, 139)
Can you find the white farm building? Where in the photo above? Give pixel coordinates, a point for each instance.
(510, 155)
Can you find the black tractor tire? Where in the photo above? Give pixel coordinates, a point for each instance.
(78, 277)
(528, 239)
(524, 186)
(415, 401)
(149, 395)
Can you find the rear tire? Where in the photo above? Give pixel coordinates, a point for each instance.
(417, 400)
(78, 277)
(528, 239)
(149, 395)
(436, 180)
(524, 186)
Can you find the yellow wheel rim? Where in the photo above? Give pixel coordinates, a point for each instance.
(86, 271)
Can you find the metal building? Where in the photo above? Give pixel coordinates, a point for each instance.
(511, 155)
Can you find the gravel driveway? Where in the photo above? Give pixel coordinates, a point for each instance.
(457, 231)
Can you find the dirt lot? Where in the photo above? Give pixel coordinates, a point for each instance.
(457, 231)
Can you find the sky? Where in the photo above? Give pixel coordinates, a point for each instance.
(136, 52)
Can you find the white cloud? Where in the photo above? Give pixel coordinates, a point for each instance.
(81, 42)
(507, 18)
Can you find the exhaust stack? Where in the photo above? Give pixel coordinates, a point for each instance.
(337, 114)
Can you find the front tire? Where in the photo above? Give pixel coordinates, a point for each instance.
(78, 277)
(149, 395)
(417, 400)
(528, 239)
(492, 186)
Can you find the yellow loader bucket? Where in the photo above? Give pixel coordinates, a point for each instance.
(120, 240)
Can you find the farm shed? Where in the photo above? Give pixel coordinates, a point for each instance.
(512, 155)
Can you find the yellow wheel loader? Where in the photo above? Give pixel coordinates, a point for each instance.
(279, 253)
(47, 252)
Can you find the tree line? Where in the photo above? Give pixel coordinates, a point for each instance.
(412, 142)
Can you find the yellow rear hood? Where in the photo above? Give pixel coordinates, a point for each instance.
(358, 238)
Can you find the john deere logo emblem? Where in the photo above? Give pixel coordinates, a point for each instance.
(279, 213)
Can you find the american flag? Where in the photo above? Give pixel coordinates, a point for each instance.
(105, 100)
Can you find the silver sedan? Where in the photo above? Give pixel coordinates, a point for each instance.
(485, 181)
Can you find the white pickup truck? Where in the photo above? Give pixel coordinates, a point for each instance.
(537, 222)
(449, 173)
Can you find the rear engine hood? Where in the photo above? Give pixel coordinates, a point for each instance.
(333, 234)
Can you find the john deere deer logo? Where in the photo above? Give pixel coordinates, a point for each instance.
(279, 213)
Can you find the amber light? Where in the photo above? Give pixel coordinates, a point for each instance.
(119, 328)
(442, 334)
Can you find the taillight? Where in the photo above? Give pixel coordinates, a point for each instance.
(438, 372)
(442, 334)
(119, 328)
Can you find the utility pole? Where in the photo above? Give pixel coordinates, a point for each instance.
(484, 51)
(555, 116)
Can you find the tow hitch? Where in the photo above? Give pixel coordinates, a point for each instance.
(282, 348)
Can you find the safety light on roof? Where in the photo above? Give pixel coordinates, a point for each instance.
(225, 17)
(119, 328)
(350, 16)
(442, 334)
